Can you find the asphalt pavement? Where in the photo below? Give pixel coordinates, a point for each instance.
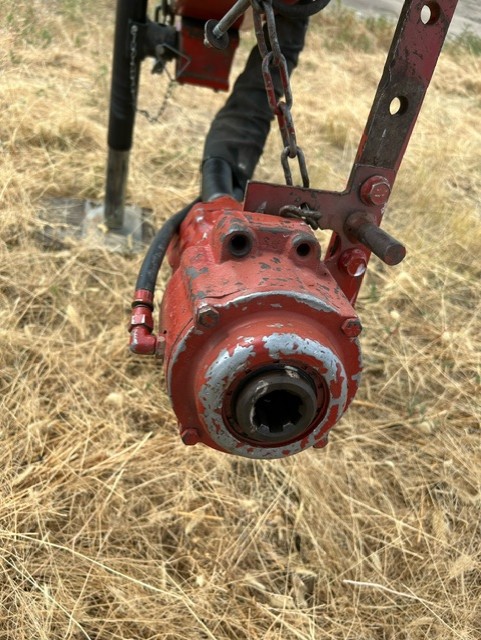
(466, 17)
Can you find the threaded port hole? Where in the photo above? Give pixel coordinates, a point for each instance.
(303, 249)
(239, 245)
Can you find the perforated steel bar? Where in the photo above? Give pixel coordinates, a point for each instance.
(409, 67)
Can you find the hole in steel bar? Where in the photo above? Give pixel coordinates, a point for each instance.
(425, 14)
(430, 13)
(398, 106)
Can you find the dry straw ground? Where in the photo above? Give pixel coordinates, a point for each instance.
(109, 526)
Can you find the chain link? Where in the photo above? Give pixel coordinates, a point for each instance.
(152, 119)
(155, 119)
(313, 218)
(273, 59)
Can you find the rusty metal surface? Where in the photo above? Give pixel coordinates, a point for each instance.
(409, 67)
(233, 308)
(201, 66)
(333, 209)
(407, 73)
(198, 64)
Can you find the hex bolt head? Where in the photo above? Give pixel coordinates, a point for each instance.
(207, 316)
(375, 191)
(323, 442)
(353, 262)
(190, 436)
(351, 327)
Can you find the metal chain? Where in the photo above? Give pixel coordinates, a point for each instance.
(169, 92)
(152, 119)
(273, 58)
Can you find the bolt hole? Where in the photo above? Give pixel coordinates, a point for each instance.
(398, 106)
(239, 245)
(303, 249)
(430, 13)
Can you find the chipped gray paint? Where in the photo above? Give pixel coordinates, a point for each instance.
(356, 378)
(303, 298)
(226, 368)
(285, 345)
(193, 273)
(219, 376)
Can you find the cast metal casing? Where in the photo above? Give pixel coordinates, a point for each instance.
(261, 349)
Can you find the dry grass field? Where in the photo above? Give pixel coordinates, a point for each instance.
(109, 527)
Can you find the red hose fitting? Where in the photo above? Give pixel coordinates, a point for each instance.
(142, 340)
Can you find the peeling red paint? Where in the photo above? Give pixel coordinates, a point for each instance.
(304, 442)
(335, 388)
(333, 415)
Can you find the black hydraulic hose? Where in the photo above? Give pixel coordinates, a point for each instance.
(217, 179)
(303, 10)
(152, 262)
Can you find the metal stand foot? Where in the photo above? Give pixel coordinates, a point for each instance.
(69, 221)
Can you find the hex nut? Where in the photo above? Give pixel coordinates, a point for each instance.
(351, 327)
(353, 262)
(375, 191)
(190, 437)
(207, 316)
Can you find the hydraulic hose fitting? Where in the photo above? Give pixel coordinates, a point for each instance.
(142, 340)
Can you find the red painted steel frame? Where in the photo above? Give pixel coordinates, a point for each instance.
(206, 67)
(417, 43)
(215, 9)
(199, 65)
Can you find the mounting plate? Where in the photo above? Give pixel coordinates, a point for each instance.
(68, 221)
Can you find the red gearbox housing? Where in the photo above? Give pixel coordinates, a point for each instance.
(261, 350)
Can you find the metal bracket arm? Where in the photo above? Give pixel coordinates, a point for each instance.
(408, 70)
